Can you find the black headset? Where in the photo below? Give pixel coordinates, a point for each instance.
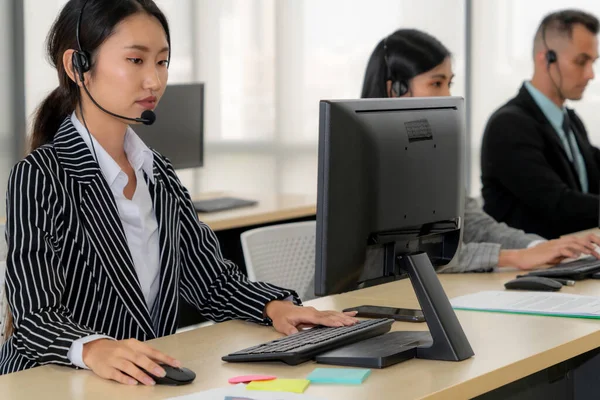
(551, 58)
(81, 58)
(399, 87)
(82, 63)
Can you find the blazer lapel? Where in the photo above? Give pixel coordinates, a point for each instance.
(165, 309)
(549, 131)
(102, 223)
(586, 152)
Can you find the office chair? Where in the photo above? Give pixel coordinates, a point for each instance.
(283, 255)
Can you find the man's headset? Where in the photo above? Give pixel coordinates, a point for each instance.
(551, 58)
(399, 87)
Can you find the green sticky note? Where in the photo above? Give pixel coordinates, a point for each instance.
(280, 385)
(352, 376)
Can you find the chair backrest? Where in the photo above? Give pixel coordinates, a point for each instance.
(283, 255)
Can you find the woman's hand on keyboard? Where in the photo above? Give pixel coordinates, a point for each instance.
(288, 318)
(551, 252)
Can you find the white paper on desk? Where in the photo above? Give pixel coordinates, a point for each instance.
(537, 303)
(240, 392)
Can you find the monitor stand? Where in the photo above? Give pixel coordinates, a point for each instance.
(445, 340)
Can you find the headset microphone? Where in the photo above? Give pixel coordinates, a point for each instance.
(147, 118)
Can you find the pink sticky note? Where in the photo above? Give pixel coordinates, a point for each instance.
(251, 378)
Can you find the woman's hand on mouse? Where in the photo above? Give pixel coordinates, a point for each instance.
(123, 360)
(550, 252)
(288, 318)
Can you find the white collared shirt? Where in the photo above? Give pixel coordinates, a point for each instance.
(137, 216)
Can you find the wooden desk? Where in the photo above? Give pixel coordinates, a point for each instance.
(507, 348)
(270, 208)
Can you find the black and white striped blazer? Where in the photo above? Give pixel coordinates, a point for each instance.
(69, 270)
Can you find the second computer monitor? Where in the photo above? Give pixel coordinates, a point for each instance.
(390, 182)
(178, 131)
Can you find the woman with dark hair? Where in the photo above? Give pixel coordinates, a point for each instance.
(413, 63)
(421, 65)
(103, 239)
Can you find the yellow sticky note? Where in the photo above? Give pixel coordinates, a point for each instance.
(280, 385)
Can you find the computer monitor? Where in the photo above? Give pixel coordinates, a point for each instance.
(178, 131)
(390, 200)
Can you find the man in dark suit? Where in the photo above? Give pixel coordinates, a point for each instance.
(539, 171)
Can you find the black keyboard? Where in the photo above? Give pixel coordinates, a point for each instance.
(221, 204)
(576, 270)
(307, 344)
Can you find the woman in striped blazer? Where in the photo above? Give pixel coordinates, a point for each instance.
(103, 240)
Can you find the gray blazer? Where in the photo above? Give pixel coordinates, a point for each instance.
(483, 237)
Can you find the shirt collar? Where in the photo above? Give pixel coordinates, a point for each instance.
(138, 154)
(553, 113)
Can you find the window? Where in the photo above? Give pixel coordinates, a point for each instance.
(265, 65)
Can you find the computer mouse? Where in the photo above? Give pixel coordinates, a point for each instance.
(534, 283)
(174, 376)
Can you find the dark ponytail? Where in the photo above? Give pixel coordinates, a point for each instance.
(50, 115)
(100, 17)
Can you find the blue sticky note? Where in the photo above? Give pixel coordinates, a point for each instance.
(237, 398)
(352, 376)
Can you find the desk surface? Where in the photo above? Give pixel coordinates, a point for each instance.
(507, 347)
(270, 208)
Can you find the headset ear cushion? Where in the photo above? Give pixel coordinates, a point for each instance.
(81, 63)
(82, 60)
(86, 64)
(400, 88)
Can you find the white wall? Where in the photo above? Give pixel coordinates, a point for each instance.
(40, 77)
